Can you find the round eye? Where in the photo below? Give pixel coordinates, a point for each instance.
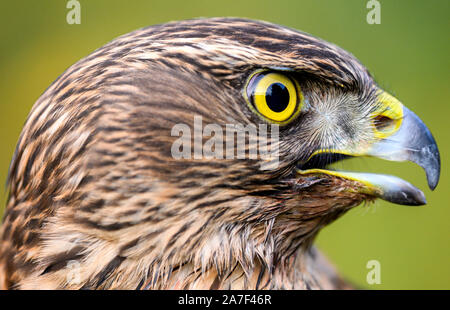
(274, 96)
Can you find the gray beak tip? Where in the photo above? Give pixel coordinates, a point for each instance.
(422, 148)
(433, 182)
(421, 200)
(432, 165)
(407, 195)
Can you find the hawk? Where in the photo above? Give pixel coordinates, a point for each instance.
(98, 199)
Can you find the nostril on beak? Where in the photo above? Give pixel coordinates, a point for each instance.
(384, 123)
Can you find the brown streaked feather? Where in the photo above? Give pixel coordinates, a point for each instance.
(92, 180)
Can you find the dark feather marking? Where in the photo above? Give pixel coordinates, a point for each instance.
(260, 276)
(103, 275)
(60, 260)
(129, 245)
(174, 238)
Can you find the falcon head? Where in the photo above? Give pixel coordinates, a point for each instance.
(143, 165)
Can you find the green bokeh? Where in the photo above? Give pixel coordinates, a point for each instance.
(407, 53)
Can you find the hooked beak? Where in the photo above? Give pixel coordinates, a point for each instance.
(409, 140)
(412, 142)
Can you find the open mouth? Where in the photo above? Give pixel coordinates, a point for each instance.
(322, 160)
(386, 187)
(407, 140)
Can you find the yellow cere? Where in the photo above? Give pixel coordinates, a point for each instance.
(259, 96)
(388, 118)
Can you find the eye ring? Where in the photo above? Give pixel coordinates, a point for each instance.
(274, 96)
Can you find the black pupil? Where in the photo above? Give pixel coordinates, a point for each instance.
(277, 97)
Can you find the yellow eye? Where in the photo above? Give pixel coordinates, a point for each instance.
(274, 96)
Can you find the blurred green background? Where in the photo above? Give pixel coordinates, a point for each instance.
(408, 53)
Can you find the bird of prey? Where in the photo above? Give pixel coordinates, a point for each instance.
(97, 199)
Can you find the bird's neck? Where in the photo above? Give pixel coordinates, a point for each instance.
(304, 270)
(257, 260)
